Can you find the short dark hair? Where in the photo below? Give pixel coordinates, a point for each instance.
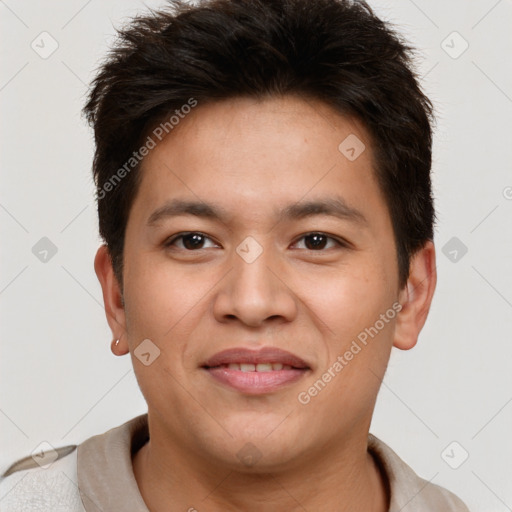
(336, 51)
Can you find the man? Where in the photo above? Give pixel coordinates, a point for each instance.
(263, 187)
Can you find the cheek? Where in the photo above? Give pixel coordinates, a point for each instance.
(350, 299)
(162, 306)
(158, 295)
(358, 346)
(169, 305)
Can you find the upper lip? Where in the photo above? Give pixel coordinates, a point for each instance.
(263, 355)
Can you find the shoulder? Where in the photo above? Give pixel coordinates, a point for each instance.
(409, 491)
(42, 482)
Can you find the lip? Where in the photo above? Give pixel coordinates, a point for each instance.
(263, 355)
(254, 382)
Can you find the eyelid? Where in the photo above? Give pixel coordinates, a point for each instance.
(339, 241)
(168, 242)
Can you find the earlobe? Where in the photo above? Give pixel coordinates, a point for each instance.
(112, 298)
(118, 348)
(416, 297)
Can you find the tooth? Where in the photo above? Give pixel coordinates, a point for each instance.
(277, 366)
(247, 367)
(264, 367)
(287, 367)
(234, 366)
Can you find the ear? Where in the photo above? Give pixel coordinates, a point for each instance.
(416, 297)
(112, 298)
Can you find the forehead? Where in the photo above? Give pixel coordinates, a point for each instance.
(255, 153)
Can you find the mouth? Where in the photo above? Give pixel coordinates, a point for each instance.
(255, 372)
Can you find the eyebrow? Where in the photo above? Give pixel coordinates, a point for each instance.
(332, 206)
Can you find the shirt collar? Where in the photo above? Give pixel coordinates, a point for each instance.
(106, 480)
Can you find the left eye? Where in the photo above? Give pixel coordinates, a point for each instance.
(319, 241)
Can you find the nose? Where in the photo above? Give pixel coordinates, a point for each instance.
(255, 293)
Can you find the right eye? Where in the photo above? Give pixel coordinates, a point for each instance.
(189, 241)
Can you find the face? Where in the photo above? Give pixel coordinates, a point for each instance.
(260, 263)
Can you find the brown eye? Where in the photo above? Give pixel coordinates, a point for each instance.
(189, 241)
(319, 241)
(316, 241)
(193, 241)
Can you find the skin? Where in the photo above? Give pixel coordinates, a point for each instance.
(253, 158)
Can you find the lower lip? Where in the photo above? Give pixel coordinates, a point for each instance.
(256, 383)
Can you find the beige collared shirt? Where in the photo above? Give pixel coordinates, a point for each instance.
(97, 476)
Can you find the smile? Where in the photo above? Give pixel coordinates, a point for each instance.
(255, 372)
(260, 367)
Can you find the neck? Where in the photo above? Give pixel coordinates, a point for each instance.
(338, 480)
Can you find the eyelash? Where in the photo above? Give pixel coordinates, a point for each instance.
(170, 241)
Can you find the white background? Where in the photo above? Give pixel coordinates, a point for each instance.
(59, 381)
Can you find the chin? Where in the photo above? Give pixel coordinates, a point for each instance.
(259, 444)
